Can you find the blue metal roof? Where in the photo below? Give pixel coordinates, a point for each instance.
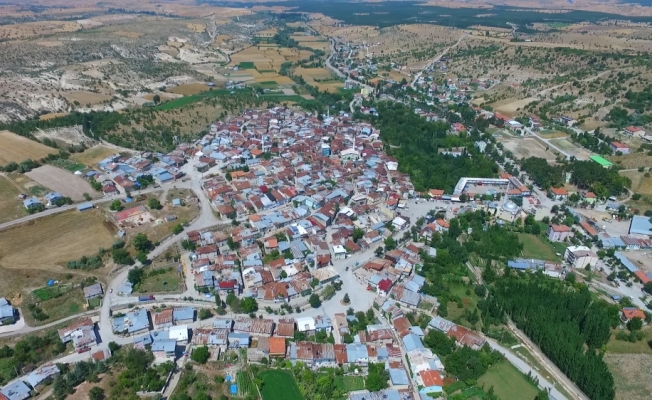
(398, 376)
(623, 259)
(184, 313)
(412, 342)
(85, 206)
(640, 225)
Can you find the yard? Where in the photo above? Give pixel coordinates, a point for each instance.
(279, 385)
(350, 383)
(508, 382)
(68, 165)
(535, 247)
(69, 303)
(11, 207)
(59, 238)
(160, 280)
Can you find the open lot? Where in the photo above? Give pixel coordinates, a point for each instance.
(640, 184)
(535, 247)
(161, 280)
(11, 207)
(279, 385)
(28, 186)
(634, 160)
(69, 303)
(508, 382)
(92, 156)
(64, 182)
(58, 238)
(631, 374)
(527, 147)
(17, 148)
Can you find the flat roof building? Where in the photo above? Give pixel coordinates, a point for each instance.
(602, 161)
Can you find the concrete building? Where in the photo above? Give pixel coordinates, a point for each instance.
(580, 256)
(559, 233)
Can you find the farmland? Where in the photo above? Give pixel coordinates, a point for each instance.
(17, 148)
(350, 383)
(279, 385)
(631, 365)
(534, 247)
(527, 147)
(58, 238)
(92, 156)
(313, 76)
(508, 382)
(10, 205)
(64, 182)
(83, 97)
(245, 384)
(189, 89)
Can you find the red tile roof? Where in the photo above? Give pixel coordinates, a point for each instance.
(630, 313)
(431, 378)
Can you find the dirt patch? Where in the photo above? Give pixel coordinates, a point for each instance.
(72, 135)
(64, 182)
(17, 148)
(51, 43)
(527, 147)
(199, 28)
(513, 106)
(632, 373)
(132, 35)
(189, 88)
(58, 238)
(83, 97)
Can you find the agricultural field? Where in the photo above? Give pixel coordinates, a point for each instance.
(59, 238)
(11, 207)
(535, 247)
(187, 89)
(28, 186)
(631, 365)
(245, 383)
(83, 97)
(350, 383)
(313, 75)
(62, 181)
(279, 385)
(17, 148)
(508, 382)
(527, 147)
(551, 134)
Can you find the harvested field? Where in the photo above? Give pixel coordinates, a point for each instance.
(17, 148)
(199, 28)
(58, 238)
(528, 147)
(92, 156)
(83, 97)
(11, 207)
(51, 115)
(131, 35)
(189, 88)
(64, 182)
(29, 186)
(632, 374)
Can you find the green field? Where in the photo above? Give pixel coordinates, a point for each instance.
(68, 165)
(94, 302)
(153, 282)
(349, 383)
(51, 292)
(279, 385)
(535, 247)
(508, 382)
(245, 384)
(247, 65)
(69, 303)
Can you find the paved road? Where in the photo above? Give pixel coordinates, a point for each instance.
(434, 60)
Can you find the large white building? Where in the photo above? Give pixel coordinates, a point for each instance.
(580, 256)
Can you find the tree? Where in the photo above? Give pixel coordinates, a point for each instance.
(249, 305)
(135, 276)
(200, 355)
(390, 244)
(153, 203)
(96, 393)
(141, 257)
(87, 197)
(379, 251)
(218, 300)
(205, 313)
(377, 377)
(314, 300)
(357, 234)
(283, 274)
(346, 298)
(635, 324)
(648, 287)
(156, 99)
(178, 228)
(121, 257)
(141, 242)
(116, 205)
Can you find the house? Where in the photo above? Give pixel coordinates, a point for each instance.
(52, 198)
(93, 291)
(43, 374)
(238, 340)
(619, 147)
(399, 378)
(179, 333)
(384, 286)
(17, 390)
(430, 379)
(132, 322)
(284, 328)
(7, 313)
(635, 131)
(32, 203)
(559, 194)
(164, 349)
(590, 197)
(436, 193)
(163, 318)
(276, 347)
(211, 337)
(183, 315)
(559, 233)
(312, 354)
(629, 313)
(338, 252)
(81, 333)
(580, 256)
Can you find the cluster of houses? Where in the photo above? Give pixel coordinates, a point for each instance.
(50, 199)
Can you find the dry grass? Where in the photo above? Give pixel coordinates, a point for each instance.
(131, 35)
(11, 207)
(199, 28)
(92, 156)
(17, 148)
(16, 284)
(48, 243)
(84, 97)
(32, 29)
(64, 182)
(189, 88)
(51, 115)
(523, 148)
(634, 160)
(640, 184)
(632, 374)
